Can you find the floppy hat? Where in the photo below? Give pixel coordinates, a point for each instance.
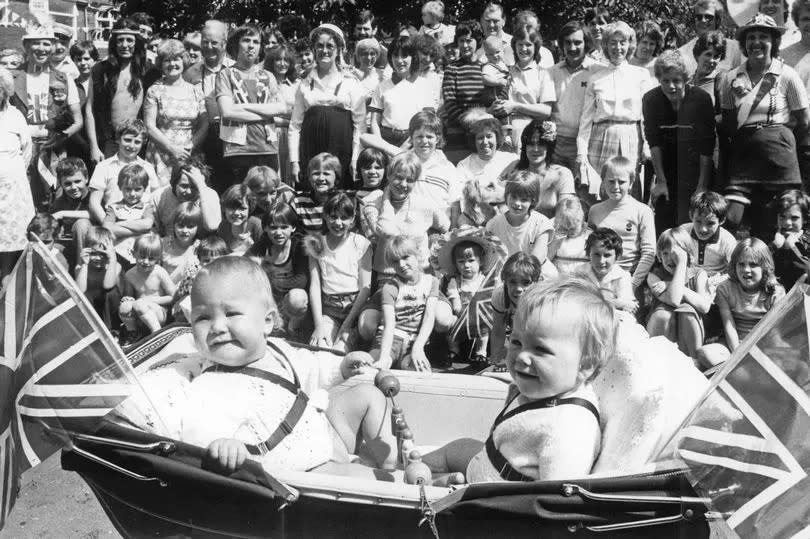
(760, 21)
(332, 28)
(494, 250)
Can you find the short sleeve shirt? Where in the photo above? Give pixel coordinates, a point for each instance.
(409, 300)
(788, 94)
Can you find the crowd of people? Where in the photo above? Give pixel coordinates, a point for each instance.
(384, 184)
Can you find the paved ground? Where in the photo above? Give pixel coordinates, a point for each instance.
(56, 504)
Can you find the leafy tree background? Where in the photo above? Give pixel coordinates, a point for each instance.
(175, 17)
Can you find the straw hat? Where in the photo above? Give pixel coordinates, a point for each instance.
(494, 250)
(332, 28)
(760, 21)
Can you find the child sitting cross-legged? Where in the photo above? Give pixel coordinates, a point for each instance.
(250, 384)
(408, 308)
(564, 332)
(680, 295)
(148, 289)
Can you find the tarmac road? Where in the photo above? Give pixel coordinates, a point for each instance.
(56, 504)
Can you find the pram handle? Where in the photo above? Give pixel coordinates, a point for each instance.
(571, 489)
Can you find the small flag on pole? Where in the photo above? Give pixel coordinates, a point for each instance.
(59, 367)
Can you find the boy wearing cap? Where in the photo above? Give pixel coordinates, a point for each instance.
(60, 60)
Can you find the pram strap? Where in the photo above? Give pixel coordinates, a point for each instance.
(293, 415)
(499, 462)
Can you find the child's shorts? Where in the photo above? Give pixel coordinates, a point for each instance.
(400, 347)
(338, 306)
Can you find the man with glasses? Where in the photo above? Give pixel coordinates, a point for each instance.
(707, 15)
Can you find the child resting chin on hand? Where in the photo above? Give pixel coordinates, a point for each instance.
(564, 331)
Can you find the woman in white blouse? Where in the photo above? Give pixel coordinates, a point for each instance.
(531, 93)
(330, 107)
(611, 115)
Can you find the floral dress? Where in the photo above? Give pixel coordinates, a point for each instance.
(178, 109)
(16, 204)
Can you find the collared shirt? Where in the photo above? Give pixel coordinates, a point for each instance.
(208, 81)
(788, 94)
(569, 89)
(613, 94)
(714, 253)
(617, 281)
(531, 85)
(105, 178)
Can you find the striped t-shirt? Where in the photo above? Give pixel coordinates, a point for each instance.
(462, 88)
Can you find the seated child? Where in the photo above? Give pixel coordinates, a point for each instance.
(266, 189)
(522, 228)
(239, 228)
(208, 249)
(495, 72)
(520, 271)
(465, 264)
(630, 219)
(408, 303)
(98, 273)
(280, 252)
(791, 243)
(339, 274)
(250, 384)
(750, 291)
(712, 243)
(148, 289)
(567, 250)
(178, 249)
(323, 174)
(71, 207)
(604, 247)
(130, 217)
(371, 165)
(680, 295)
(46, 229)
(564, 332)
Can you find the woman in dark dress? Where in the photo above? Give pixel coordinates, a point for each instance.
(329, 114)
(679, 127)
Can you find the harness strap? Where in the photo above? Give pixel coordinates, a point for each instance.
(296, 411)
(499, 462)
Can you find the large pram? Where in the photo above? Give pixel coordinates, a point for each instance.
(744, 444)
(156, 487)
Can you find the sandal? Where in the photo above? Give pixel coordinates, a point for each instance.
(479, 359)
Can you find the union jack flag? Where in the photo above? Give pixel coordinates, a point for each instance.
(475, 320)
(59, 367)
(747, 443)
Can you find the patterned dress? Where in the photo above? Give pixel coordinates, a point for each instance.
(178, 109)
(16, 204)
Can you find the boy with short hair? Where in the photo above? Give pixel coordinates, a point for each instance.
(130, 137)
(98, 273)
(148, 289)
(712, 243)
(630, 219)
(71, 207)
(130, 217)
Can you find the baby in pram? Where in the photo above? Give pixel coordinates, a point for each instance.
(244, 394)
(564, 331)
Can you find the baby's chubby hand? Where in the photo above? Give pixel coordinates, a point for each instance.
(355, 363)
(228, 453)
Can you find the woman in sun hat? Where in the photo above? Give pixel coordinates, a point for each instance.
(759, 99)
(330, 107)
